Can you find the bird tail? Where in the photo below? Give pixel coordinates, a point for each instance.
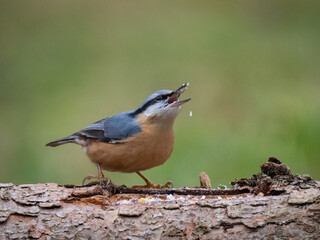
(70, 139)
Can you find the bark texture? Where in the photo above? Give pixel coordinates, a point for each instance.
(49, 211)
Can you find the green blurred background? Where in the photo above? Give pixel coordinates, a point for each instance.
(253, 68)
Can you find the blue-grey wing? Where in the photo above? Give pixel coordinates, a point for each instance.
(112, 129)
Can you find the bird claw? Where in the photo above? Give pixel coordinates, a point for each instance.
(100, 178)
(103, 181)
(168, 185)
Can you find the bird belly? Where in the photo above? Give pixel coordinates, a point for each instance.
(142, 151)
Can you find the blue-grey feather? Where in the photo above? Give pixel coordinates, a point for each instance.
(119, 126)
(115, 128)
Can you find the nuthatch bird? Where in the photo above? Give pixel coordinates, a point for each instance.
(132, 141)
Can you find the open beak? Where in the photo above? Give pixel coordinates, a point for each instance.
(174, 99)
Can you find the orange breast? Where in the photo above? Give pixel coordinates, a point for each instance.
(147, 149)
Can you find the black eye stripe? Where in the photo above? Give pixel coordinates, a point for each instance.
(161, 97)
(154, 100)
(158, 98)
(151, 102)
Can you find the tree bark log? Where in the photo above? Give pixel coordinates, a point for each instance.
(49, 211)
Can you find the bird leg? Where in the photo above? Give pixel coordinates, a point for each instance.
(100, 176)
(150, 184)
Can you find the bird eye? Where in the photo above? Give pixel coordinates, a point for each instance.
(159, 98)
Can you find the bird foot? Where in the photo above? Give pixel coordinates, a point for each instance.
(100, 178)
(152, 185)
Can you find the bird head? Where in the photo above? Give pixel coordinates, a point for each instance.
(163, 103)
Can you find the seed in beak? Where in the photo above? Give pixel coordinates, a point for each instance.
(173, 98)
